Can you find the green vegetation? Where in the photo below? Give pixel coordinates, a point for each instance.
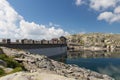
(17, 69)
(11, 63)
(2, 72)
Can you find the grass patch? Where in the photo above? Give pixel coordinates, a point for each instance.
(11, 63)
(2, 72)
(17, 69)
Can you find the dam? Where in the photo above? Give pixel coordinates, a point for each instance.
(50, 48)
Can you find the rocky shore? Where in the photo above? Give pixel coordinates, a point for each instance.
(39, 67)
(94, 41)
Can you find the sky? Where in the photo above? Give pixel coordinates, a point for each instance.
(46, 19)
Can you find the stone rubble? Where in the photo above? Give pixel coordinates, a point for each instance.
(35, 63)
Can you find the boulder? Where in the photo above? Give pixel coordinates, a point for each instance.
(3, 63)
(34, 76)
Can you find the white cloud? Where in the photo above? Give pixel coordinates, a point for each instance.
(110, 9)
(79, 2)
(110, 16)
(32, 30)
(8, 20)
(13, 25)
(117, 10)
(102, 4)
(107, 16)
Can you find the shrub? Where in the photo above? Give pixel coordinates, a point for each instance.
(2, 72)
(10, 61)
(3, 56)
(17, 69)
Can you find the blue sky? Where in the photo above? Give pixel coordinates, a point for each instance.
(65, 13)
(63, 16)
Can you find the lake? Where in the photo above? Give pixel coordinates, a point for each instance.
(109, 65)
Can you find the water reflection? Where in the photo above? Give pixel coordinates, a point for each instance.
(111, 70)
(104, 62)
(93, 54)
(101, 61)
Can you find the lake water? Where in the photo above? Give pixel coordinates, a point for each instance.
(105, 65)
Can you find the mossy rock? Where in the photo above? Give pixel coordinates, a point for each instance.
(17, 69)
(2, 72)
(10, 61)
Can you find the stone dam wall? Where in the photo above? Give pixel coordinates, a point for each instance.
(49, 50)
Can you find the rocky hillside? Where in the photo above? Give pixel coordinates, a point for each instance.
(95, 39)
(39, 67)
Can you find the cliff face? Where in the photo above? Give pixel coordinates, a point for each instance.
(98, 40)
(39, 67)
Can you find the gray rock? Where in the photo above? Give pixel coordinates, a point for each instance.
(34, 63)
(3, 63)
(35, 76)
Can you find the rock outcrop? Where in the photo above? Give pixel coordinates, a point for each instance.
(94, 41)
(34, 63)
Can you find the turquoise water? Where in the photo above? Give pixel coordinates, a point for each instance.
(109, 66)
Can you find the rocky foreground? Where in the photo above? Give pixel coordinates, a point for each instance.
(39, 67)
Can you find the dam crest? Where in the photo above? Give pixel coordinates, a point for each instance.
(53, 47)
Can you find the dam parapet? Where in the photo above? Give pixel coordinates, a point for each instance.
(53, 47)
(61, 40)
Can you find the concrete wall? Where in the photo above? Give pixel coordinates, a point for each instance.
(54, 51)
(32, 46)
(49, 50)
